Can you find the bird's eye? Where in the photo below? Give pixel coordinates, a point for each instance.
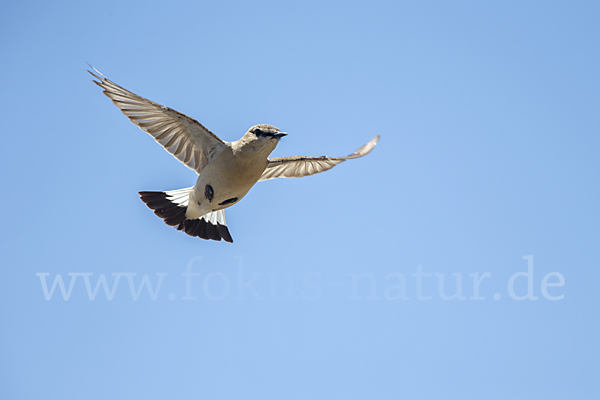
(258, 132)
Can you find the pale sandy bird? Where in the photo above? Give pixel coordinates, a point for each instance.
(226, 171)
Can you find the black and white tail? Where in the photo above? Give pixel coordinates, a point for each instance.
(171, 207)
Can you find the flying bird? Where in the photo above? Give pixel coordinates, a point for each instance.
(226, 170)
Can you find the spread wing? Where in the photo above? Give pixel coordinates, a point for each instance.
(299, 166)
(182, 136)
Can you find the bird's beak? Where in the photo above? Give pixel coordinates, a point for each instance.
(279, 135)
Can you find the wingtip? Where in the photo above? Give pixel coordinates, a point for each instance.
(96, 74)
(366, 149)
(375, 140)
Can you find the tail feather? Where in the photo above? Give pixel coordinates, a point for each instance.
(171, 206)
(213, 232)
(224, 232)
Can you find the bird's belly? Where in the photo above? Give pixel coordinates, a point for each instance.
(221, 186)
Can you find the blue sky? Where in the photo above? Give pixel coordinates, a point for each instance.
(487, 167)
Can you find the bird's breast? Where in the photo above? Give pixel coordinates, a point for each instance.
(226, 180)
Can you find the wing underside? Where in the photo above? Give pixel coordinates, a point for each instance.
(299, 166)
(184, 137)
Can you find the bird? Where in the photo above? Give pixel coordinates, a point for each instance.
(226, 170)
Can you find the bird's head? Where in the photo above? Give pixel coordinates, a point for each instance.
(260, 138)
(266, 133)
